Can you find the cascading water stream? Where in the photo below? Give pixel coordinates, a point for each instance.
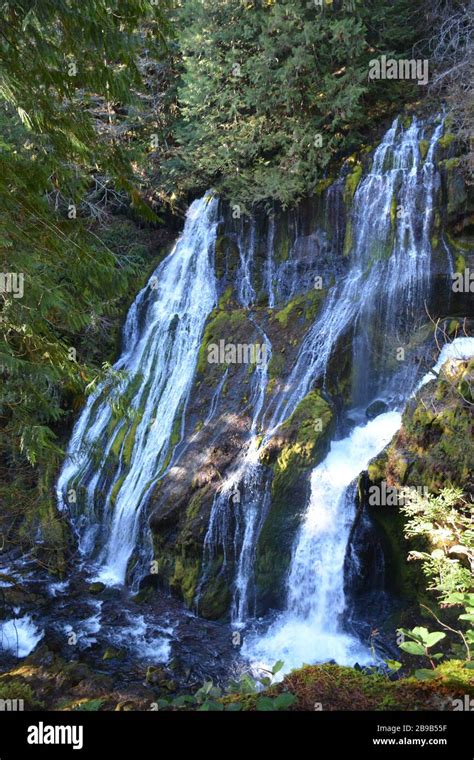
(311, 629)
(270, 264)
(162, 336)
(252, 510)
(246, 246)
(390, 254)
(389, 251)
(239, 501)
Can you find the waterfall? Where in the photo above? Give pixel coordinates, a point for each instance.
(115, 459)
(311, 629)
(390, 252)
(270, 264)
(162, 336)
(246, 246)
(239, 503)
(389, 279)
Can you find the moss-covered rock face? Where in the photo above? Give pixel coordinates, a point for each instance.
(301, 443)
(182, 501)
(305, 305)
(435, 446)
(433, 449)
(215, 600)
(178, 535)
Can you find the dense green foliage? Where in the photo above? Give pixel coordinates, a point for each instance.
(65, 163)
(271, 92)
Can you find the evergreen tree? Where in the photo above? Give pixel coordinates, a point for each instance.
(273, 90)
(67, 72)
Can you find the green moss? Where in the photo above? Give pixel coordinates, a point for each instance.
(335, 687)
(446, 140)
(175, 432)
(276, 366)
(460, 263)
(463, 245)
(178, 548)
(115, 420)
(194, 506)
(352, 183)
(283, 315)
(226, 256)
(185, 578)
(302, 423)
(116, 488)
(305, 305)
(16, 688)
(378, 467)
(130, 438)
(303, 441)
(216, 597)
(226, 298)
(404, 579)
(284, 248)
(348, 238)
(323, 184)
(118, 440)
(222, 325)
(393, 210)
(423, 146)
(451, 163)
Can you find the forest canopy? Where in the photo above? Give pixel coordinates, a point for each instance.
(272, 92)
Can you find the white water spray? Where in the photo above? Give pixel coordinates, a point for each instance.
(162, 337)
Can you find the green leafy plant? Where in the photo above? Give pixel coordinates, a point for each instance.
(444, 522)
(466, 601)
(420, 643)
(393, 665)
(209, 698)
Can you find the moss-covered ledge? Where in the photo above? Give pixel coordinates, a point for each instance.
(301, 443)
(433, 449)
